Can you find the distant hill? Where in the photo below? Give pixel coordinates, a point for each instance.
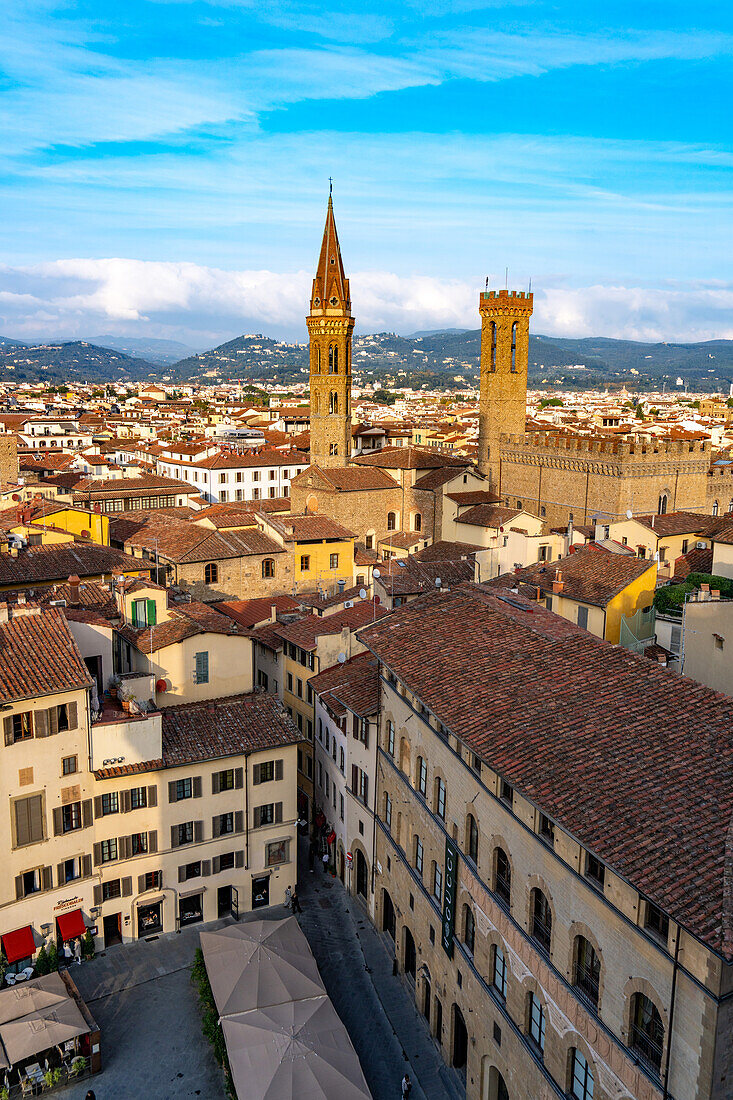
(246, 357)
(154, 351)
(76, 361)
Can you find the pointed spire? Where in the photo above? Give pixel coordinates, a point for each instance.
(330, 286)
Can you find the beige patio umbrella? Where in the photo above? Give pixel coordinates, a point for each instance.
(38, 1031)
(259, 963)
(300, 1049)
(39, 993)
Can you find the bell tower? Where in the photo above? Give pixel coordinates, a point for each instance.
(504, 359)
(330, 326)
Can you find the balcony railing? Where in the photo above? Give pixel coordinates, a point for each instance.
(646, 1046)
(541, 933)
(503, 889)
(586, 981)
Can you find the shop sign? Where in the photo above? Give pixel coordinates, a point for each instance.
(449, 896)
(68, 903)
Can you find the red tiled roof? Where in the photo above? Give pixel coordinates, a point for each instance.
(354, 684)
(591, 575)
(308, 528)
(632, 760)
(677, 523)
(488, 515)
(475, 496)
(409, 458)
(306, 631)
(250, 612)
(694, 561)
(225, 727)
(44, 564)
(39, 656)
(350, 479)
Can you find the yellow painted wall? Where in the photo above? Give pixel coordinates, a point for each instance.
(319, 567)
(77, 523)
(638, 594)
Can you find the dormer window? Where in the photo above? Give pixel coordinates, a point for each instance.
(143, 613)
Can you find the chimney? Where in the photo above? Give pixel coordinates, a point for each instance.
(73, 588)
(273, 613)
(4, 616)
(558, 584)
(715, 594)
(341, 587)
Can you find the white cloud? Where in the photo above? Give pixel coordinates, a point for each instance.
(205, 305)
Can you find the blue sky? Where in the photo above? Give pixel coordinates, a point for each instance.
(166, 164)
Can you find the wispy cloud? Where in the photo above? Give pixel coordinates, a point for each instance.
(75, 298)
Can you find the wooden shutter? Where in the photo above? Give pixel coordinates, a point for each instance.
(72, 710)
(8, 727)
(152, 796)
(97, 894)
(216, 865)
(22, 823)
(355, 726)
(86, 866)
(42, 724)
(354, 779)
(86, 813)
(205, 868)
(278, 769)
(238, 778)
(47, 878)
(215, 782)
(125, 802)
(53, 720)
(255, 773)
(141, 884)
(182, 874)
(198, 830)
(35, 816)
(97, 851)
(61, 874)
(152, 840)
(365, 778)
(196, 785)
(239, 821)
(215, 826)
(98, 805)
(152, 613)
(18, 887)
(124, 847)
(174, 836)
(239, 859)
(278, 812)
(172, 791)
(58, 821)
(127, 886)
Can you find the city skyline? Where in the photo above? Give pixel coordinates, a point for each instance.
(166, 173)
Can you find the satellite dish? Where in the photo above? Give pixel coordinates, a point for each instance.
(376, 573)
(438, 582)
(629, 514)
(362, 593)
(341, 658)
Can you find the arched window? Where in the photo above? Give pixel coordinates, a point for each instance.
(342, 760)
(469, 929)
(387, 810)
(502, 876)
(440, 798)
(493, 346)
(421, 776)
(498, 971)
(405, 756)
(472, 838)
(715, 508)
(514, 348)
(417, 522)
(662, 505)
(418, 856)
(333, 403)
(581, 1076)
(211, 573)
(318, 359)
(390, 737)
(536, 1021)
(646, 1035)
(540, 920)
(335, 359)
(315, 403)
(330, 358)
(392, 521)
(730, 506)
(586, 970)
(268, 568)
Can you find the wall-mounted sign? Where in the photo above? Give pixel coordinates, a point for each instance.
(66, 903)
(449, 896)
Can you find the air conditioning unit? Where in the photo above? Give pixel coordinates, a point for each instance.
(700, 545)
(348, 603)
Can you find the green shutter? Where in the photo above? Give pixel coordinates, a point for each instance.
(151, 613)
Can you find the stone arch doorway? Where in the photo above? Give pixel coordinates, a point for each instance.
(495, 1087)
(389, 919)
(459, 1048)
(410, 955)
(361, 874)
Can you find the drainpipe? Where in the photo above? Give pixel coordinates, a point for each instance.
(665, 1094)
(246, 811)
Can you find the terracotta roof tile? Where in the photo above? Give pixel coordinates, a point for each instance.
(225, 727)
(38, 656)
(591, 575)
(354, 684)
(409, 458)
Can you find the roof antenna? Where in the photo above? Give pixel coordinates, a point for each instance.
(529, 292)
(506, 278)
(487, 282)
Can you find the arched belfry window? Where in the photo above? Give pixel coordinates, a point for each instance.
(318, 360)
(662, 506)
(333, 359)
(334, 402)
(315, 404)
(514, 348)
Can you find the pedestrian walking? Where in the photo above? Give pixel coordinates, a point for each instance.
(324, 859)
(406, 1086)
(296, 903)
(68, 954)
(288, 897)
(77, 952)
(311, 855)
(91, 1095)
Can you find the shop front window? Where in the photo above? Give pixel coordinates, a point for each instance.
(190, 909)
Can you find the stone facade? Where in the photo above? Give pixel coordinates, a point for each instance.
(504, 359)
(361, 510)
(330, 326)
(559, 477)
(238, 578)
(8, 458)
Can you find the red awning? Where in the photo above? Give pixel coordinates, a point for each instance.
(71, 925)
(19, 944)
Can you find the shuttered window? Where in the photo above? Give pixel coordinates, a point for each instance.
(29, 820)
(201, 672)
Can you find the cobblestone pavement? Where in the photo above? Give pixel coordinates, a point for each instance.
(388, 1033)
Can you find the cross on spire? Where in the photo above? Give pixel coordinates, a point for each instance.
(330, 185)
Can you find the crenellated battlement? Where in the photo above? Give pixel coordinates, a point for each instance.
(593, 447)
(506, 302)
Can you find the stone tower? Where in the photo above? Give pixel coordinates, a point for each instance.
(330, 326)
(504, 358)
